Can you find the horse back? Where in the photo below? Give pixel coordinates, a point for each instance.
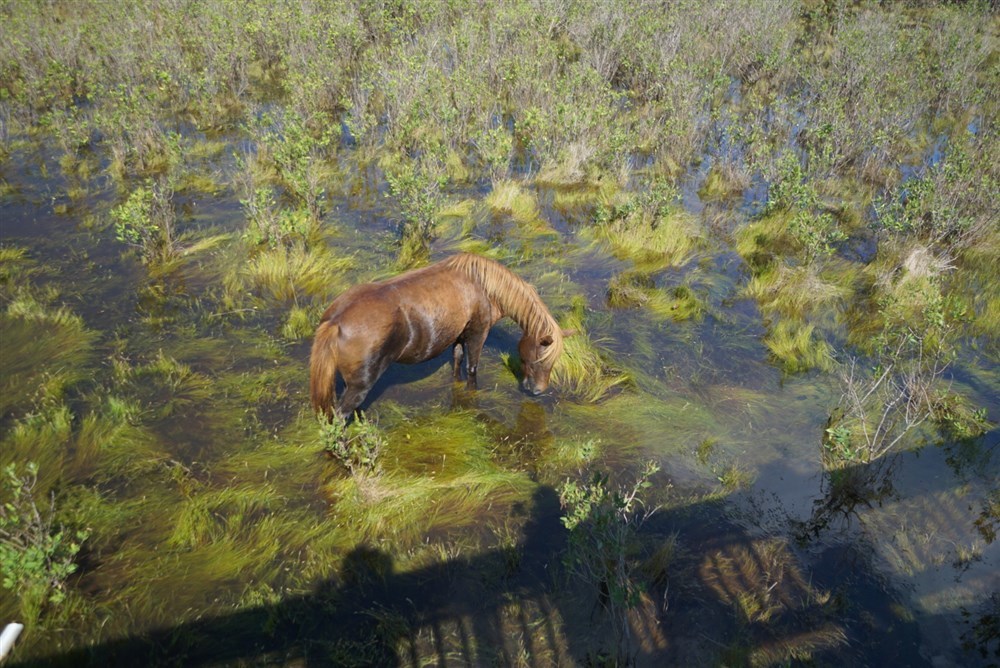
(412, 317)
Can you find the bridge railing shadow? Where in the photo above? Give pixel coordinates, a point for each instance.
(510, 606)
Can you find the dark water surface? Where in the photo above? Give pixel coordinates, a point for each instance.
(898, 575)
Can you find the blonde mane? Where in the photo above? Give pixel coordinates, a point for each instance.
(516, 297)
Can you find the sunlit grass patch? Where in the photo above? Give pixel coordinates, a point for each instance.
(456, 220)
(763, 240)
(583, 370)
(229, 513)
(511, 198)
(285, 273)
(398, 506)
(44, 438)
(45, 352)
(577, 202)
(796, 346)
(571, 168)
(634, 289)
(794, 292)
(670, 240)
(300, 322)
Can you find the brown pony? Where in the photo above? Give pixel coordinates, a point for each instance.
(416, 316)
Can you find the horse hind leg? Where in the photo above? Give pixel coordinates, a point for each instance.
(457, 355)
(350, 400)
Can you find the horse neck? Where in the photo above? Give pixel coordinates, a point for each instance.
(516, 298)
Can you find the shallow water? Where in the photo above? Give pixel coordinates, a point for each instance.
(220, 515)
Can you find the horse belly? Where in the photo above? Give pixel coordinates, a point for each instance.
(437, 316)
(428, 335)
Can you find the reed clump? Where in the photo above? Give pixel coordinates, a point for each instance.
(635, 289)
(583, 370)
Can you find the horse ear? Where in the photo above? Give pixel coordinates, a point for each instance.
(569, 332)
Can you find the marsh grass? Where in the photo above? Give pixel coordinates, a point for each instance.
(404, 508)
(798, 292)
(638, 290)
(287, 276)
(48, 349)
(583, 370)
(653, 242)
(230, 513)
(762, 241)
(510, 198)
(797, 347)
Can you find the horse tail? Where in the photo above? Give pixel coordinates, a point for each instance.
(323, 368)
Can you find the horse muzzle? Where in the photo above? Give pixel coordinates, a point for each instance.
(530, 388)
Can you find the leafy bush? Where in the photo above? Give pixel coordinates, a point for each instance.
(36, 554)
(602, 523)
(146, 221)
(356, 446)
(812, 225)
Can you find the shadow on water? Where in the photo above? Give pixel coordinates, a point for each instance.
(466, 610)
(392, 383)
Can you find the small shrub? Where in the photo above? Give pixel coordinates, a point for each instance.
(356, 446)
(495, 147)
(602, 523)
(416, 186)
(36, 554)
(146, 221)
(815, 228)
(297, 146)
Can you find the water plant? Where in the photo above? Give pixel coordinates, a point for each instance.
(356, 447)
(633, 289)
(583, 370)
(146, 221)
(37, 554)
(796, 347)
(602, 522)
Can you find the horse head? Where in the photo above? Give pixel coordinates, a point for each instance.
(538, 356)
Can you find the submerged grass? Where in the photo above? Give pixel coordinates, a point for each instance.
(797, 347)
(635, 289)
(46, 349)
(583, 370)
(406, 508)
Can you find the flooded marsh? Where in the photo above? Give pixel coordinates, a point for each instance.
(772, 439)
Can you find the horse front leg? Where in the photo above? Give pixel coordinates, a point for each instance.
(473, 348)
